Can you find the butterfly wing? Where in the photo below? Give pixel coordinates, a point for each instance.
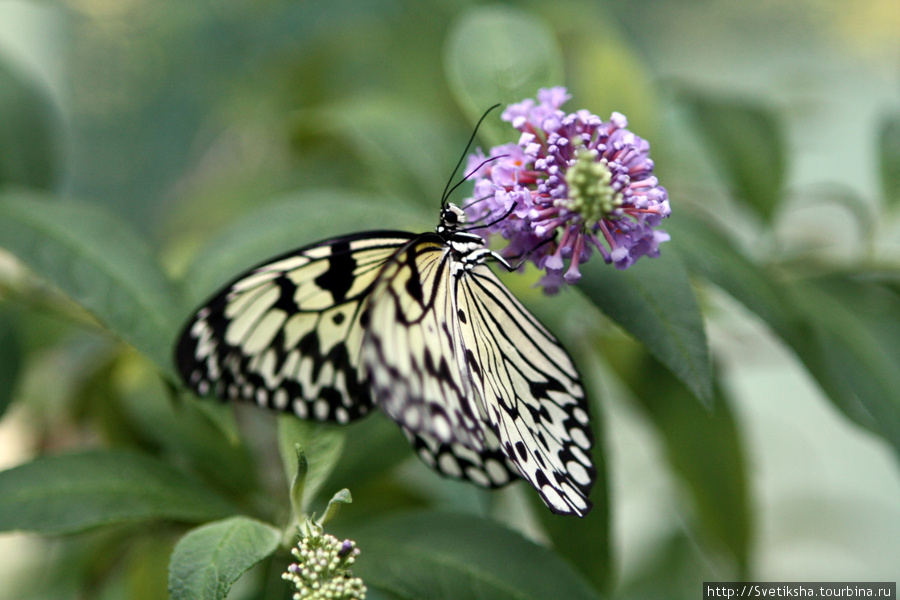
(413, 361)
(532, 393)
(287, 333)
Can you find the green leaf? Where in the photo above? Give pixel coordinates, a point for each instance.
(29, 126)
(851, 348)
(851, 359)
(298, 483)
(449, 556)
(73, 492)
(653, 300)
(704, 447)
(606, 53)
(201, 434)
(209, 559)
(889, 159)
(585, 542)
(99, 262)
(745, 141)
(373, 448)
(388, 137)
(321, 443)
(334, 505)
(293, 222)
(499, 54)
(707, 251)
(10, 357)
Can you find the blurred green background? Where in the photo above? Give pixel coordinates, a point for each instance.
(779, 121)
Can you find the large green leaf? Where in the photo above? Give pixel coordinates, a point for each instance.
(29, 148)
(388, 137)
(653, 300)
(708, 251)
(209, 559)
(10, 357)
(704, 448)
(73, 492)
(448, 556)
(852, 360)
(851, 348)
(503, 54)
(889, 158)
(745, 141)
(99, 262)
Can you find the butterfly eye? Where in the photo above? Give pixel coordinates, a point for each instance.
(452, 216)
(449, 217)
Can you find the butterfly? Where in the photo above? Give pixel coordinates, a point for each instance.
(418, 326)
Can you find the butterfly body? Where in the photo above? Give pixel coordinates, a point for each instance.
(418, 326)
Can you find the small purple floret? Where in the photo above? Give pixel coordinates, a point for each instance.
(345, 549)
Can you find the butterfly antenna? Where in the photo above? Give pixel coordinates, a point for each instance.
(494, 222)
(466, 178)
(521, 258)
(449, 190)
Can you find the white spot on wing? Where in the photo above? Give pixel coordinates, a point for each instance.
(578, 436)
(477, 477)
(496, 471)
(280, 399)
(300, 408)
(578, 473)
(449, 465)
(321, 409)
(553, 499)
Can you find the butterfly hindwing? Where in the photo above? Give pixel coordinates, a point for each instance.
(480, 388)
(411, 352)
(413, 362)
(532, 393)
(287, 333)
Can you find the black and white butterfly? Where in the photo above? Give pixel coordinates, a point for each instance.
(414, 324)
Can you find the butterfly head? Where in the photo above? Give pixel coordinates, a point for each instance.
(452, 218)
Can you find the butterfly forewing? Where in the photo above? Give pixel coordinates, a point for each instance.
(532, 394)
(287, 333)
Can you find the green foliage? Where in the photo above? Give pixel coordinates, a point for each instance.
(436, 555)
(654, 301)
(840, 337)
(515, 70)
(10, 358)
(201, 140)
(74, 492)
(889, 159)
(704, 447)
(29, 132)
(99, 262)
(744, 139)
(210, 558)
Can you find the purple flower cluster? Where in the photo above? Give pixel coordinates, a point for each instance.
(572, 183)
